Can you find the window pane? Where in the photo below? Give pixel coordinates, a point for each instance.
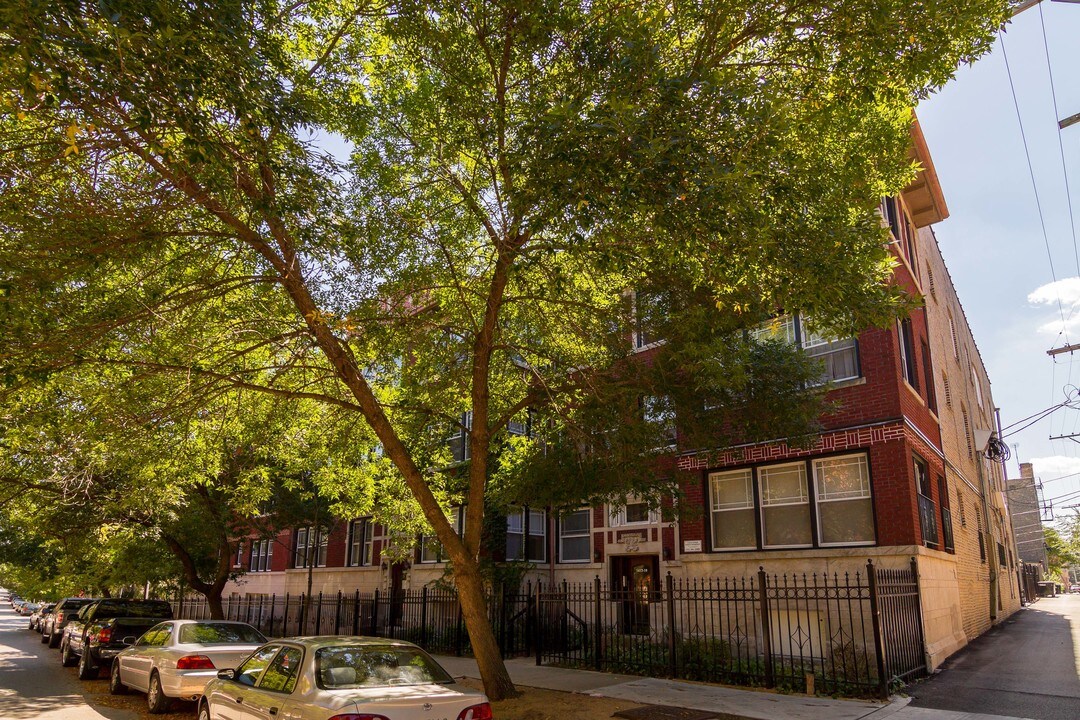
(778, 329)
(537, 548)
(782, 484)
(575, 549)
(537, 522)
(514, 523)
(575, 523)
(787, 524)
(637, 512)
(734, 529)
(849, 521)
(513, 546)
(732, 490)
(842, 478)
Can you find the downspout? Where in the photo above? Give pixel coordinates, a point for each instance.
(991, 552)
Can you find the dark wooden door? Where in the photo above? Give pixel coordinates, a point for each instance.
(634, 583)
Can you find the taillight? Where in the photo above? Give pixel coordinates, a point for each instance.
(105, 635)
(354, 716)
(194, 662)
(476, 712)
(59, 618)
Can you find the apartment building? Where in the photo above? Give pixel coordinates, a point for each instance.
(898, 472)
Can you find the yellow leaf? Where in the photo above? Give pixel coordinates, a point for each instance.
(71, 149)
(21, 115)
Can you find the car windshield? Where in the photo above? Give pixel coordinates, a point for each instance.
(213, 632)
(362, 666)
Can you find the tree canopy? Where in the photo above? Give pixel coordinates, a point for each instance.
(431, 214)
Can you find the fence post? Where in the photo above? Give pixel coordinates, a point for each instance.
(262, 602)
(180, 606)
(305, 608)
(423, 617)
(285, 618)
(875, 616)
(766, 626)
(537, 634)
(356, 613)
(273, 612)
(337, 615)
(597, 625)
(672, 644)
(375, 614)
(318, 614)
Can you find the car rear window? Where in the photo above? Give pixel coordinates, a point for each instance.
(134, 608)
(350, 666)
(212, 633)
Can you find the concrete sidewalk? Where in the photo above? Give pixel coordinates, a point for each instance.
(728, 703)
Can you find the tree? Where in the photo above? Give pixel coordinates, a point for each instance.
(515, 172)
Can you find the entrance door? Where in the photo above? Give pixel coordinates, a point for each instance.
(634, 583)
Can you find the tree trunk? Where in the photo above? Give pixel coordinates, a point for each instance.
(485, 647)
(213, 601)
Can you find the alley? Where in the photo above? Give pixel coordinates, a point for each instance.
(1028, 667)
(34, 685)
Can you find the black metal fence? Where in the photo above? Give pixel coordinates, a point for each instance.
(851, 634)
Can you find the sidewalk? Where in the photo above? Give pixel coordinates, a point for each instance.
(728, 703)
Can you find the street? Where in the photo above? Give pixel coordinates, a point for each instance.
(1028, 667)
(34, 685)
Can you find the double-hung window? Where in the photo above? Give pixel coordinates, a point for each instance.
(458, 439)
(311, 543)
(526, 536)
(927, 507)
(658, 411)
(839, 356)
(360, 536)
(431, 550)
(733, 522)
(574, 536)
(907, 353)
(785, 505)
(650, 309)
(845, 511)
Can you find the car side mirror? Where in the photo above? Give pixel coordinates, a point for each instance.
(227, 674)
(129, 640)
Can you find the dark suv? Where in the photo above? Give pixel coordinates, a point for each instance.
(53, 630)
(96, 635)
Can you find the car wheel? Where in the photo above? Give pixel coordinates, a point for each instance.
(87, 670)
(115, 686)
(204, 710)
(156, 700)
(67, 658)
(44, 638)
(54, 639)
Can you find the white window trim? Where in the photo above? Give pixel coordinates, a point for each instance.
(635, 340)
(457, 520)
(587, 534)
(714, 510)
(525, 538)
(363, 548)
(617, 514)
(762, 505)
(819, 501)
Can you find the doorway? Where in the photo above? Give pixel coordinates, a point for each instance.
(635, 585)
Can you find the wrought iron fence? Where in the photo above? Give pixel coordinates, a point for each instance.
(851, 634)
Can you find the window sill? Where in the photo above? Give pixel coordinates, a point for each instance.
(649, 346)
(850, 382)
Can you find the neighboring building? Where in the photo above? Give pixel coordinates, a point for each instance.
(898, 473)
(1026, 511)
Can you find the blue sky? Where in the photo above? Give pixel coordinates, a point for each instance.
(993, 240)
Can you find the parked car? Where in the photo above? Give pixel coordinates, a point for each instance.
(61, 616)
(96, 634)
(25, 608)
(318, 678)
(42, 609)
(176, 659)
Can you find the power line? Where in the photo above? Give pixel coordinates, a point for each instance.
(1061, 147)
(1034, 185)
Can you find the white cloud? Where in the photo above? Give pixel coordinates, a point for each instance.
(1055, 466)
(1067, 293)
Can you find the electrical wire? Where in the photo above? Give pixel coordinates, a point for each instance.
(1034, 185)
(1061, 147)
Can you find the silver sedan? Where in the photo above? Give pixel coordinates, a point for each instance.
(176, 659)
(322, 678)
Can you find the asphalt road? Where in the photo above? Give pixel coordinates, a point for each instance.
(1027, 667)
(34, 685)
